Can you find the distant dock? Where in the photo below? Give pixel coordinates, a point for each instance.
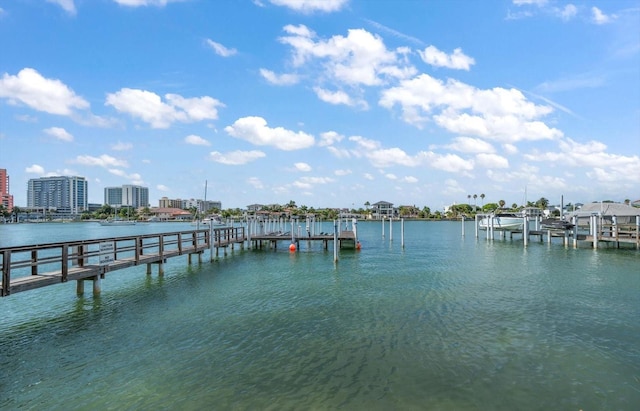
(595, 230)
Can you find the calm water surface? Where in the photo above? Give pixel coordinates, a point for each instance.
(447, 323)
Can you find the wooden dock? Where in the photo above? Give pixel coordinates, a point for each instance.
(34, 266)
(346, 239)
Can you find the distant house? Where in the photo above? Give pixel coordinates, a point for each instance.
(382, 209)
(254, 207)
(169, 214)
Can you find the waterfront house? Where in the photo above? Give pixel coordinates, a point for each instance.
(382, 209)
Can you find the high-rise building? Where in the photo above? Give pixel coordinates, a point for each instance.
(127, 196)
(66, 195)
(6, 199)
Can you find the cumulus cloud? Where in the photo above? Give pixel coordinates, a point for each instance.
(236, 158)
(410, 179)
(196, 140)
(67, 5)
(498, 114)
(337, 97)
(304, 167)
(598, 17)
(279, 79)
(457, 60)
(255, 182)
(104, 160)
(139, 3)
(311, 6)
(360, 58)
(35, 169)
(121, 146)
(256, 131)
(470, 145)
(220, 49)
(162, 187)
(489, 160)
(49, 95)
(59, 133)
(342, 172)
(329, 138)
(150, 108)
(308, 182)
(134, 178)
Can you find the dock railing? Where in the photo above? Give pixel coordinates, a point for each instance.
(33, 266)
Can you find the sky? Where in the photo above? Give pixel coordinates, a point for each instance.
(328, 103)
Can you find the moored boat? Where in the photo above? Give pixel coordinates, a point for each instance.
(502, 221)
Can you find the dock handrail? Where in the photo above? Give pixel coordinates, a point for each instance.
(32, 266)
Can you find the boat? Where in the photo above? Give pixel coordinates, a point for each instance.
(555, 224)
(209, 221)
(117, 222)
(502, 221)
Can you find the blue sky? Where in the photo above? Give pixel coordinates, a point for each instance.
(329, 103)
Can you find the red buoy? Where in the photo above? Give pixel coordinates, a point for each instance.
(292, 247)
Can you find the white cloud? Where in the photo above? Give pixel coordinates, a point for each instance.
(134, 178)
(256, 131)
(162, 187)
(599, 17)
(458, 60)
(220, 49)
(336, 97)
(67, 5)
(360, 58)
(104, 160)
(196, 140)
(568, 12)
(279, 79)
(538, 3)
(309, 182)
(329, 138)
(236, 158)
(489, 160)
(368, 176)
(470, 145)
(31, 88)
(59, 133)
(391, 176)
(311, 6)
(498, 114)
(139, 3)
(342, 172)
(150, 108)
(410, 179)
(304, 167)
(255, 183)
(120, 146)
(35, 169)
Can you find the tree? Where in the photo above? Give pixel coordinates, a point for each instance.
(482, 199)
(475, 196)
(468, 198)
(542, 203)
(16, 212)
(501, 203)
(367, 205)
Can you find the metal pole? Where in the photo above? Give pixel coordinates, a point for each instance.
(335, 241)
(402, 232)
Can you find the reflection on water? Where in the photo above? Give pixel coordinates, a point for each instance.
(445, 323)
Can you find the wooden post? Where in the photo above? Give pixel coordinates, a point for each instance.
(97, 285)
(6, 273)
(80, 287)
(65, 263)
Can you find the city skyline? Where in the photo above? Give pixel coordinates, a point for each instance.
(329, 104)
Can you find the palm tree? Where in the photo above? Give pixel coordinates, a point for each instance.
(482, 199)
(468, 198)
(16, 211)
(474, 202)
(501, 203)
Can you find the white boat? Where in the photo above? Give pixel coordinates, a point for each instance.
(117, 222)
(208, 222)
(502, 221)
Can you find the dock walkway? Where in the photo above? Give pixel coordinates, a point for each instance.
(34, 266)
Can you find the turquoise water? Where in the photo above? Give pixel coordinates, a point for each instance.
(447, 323)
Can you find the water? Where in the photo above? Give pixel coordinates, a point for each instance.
(448, 323)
